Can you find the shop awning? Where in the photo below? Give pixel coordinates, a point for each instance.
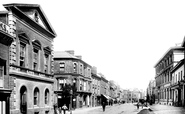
(107, 97)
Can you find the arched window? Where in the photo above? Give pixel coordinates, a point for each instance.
(36, 97)
(75, 67)
(23, 99)
(47, 97)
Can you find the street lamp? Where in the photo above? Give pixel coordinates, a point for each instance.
(71, 92)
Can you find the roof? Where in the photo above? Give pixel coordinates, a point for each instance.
(168, 51)
(19, 9)
(63, 54)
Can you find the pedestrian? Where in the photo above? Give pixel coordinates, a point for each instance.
(103, 105)
(64, 108)
(137, 105)
(56, 111)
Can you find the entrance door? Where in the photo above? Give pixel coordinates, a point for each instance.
(23, 100)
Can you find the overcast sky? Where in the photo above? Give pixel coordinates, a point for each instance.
(123, 38)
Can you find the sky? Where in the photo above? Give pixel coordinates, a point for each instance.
(124, 39)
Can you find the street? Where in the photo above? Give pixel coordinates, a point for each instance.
(129, 108)
(165, 109)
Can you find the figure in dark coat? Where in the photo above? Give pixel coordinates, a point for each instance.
(103, 105)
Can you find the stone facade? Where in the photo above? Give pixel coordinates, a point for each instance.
(5, 41)
(31, 60)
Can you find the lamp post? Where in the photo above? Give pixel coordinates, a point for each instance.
(71, 92)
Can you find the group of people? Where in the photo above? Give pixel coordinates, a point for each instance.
(60, 109)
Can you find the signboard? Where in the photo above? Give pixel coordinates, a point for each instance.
(4, 27)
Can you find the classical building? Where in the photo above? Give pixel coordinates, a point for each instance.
(72, 70)
(96, 96)
(31, 60)
(6, 39)
(163, 76)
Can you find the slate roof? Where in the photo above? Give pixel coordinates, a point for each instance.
(63, 54)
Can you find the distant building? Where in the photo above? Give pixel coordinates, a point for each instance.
(104, 88)
(151, 92)
(96, 96)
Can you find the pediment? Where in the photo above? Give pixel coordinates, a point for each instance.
(33, 12)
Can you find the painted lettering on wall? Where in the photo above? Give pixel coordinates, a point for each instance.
(4, 27)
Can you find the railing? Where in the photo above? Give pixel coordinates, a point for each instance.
(18, 69)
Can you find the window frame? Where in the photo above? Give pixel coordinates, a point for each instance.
(2, 69)
(62, 66)
(46, 97)
(22, 47)
(36, 97)
(35, 61)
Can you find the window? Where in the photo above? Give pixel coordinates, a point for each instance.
(89, 73)
(62, 66)
(35, 59)
(85, 86)
(22, 54)
(47, 53)
(81, 85)
(46, 96)
(61, 84)
(1, 75)
(23, 100)
(36, 96)
(46, 59)
(181, 75)
(75, 67)
(81, 67)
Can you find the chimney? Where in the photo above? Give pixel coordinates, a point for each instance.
(72, 52)
(79, 57)
(94, 70)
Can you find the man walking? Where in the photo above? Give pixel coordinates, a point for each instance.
(103, 105)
